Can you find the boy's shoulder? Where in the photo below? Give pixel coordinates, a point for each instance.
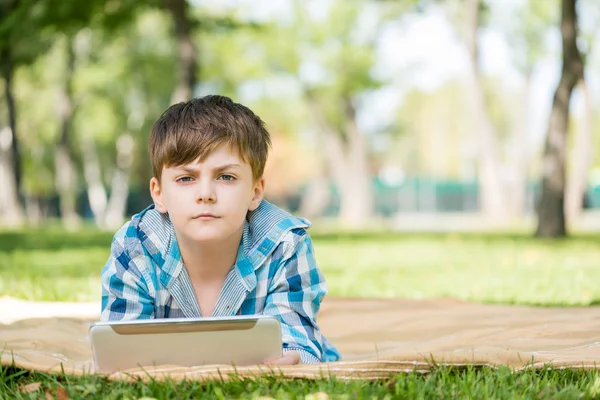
(270, 221)
(267, 225)
(269, 228)
(149, 228)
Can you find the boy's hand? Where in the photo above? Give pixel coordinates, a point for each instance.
(288, 358)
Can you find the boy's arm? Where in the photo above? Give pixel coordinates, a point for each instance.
(295, 298)
(125, 294)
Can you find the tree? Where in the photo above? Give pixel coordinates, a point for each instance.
(581, 158)
(111, 63)
(64, 154)
(187, 53)
(332, 63)
(126, 85)
(492, 196)
(525, 34)
(325, 66)
(468, 18)
(15, 48)
(21, 43)
(581, 155)
(551, 213)
(71, 26)
(10, 155)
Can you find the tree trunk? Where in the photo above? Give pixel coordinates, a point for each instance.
(187, 54)
(92, 173)
(316, 198)
(35, 215)
(115, 211)
(519, 157)
(11, 210)
(491, 194)
(356, 206)
(335, 160)
(109, 213)
(582, 159)
(551, 214)
(347, 165)
(66, 174)
(7, 68)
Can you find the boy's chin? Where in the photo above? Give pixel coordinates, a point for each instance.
(206, 235)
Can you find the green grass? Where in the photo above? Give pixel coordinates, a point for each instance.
(53, 265)
(469, 383)
(482, 268)
(56, 265)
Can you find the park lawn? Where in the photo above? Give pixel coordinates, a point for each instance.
(54, 265)
(469, 383)
(57, 265)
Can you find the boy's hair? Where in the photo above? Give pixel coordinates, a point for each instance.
(193, 129)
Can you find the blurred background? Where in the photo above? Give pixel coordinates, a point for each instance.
(431, 143)
(385, 114)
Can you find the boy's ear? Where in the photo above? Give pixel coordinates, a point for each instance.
(156, 194)
(259, 192)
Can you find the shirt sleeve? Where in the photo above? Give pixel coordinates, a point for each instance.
(295, 296)
(125, 294)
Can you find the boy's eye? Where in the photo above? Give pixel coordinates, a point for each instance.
(226, 177)
(184, 179)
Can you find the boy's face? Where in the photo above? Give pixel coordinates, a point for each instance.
(208, 201)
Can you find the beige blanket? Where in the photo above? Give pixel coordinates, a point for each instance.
(377, 338)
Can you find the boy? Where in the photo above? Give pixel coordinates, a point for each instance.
(210, 245)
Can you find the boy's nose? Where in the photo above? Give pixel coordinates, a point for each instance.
(205, 193)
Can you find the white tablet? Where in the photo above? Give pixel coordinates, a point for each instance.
(238, 340)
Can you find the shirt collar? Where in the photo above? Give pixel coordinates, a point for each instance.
(263, 230)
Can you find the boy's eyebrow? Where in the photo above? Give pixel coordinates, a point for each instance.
(226, 166)
(219, 168)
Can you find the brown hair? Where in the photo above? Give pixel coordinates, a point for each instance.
(193, 129)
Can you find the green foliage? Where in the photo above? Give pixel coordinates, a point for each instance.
(27, 27)
(124, 74)
(502, 111)
(334, 58)
(527, 31)
(126, 68)
(430, 133)
(457, 12)
(272, 64)
(233, 58)
(125, 85)
(121, 83)
(589, 31)
(37, 125)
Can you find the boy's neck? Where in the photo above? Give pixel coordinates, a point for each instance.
(210, 261)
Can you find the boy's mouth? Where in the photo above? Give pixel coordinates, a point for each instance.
(205, 216)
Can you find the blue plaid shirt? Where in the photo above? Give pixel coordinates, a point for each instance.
(275, 274)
